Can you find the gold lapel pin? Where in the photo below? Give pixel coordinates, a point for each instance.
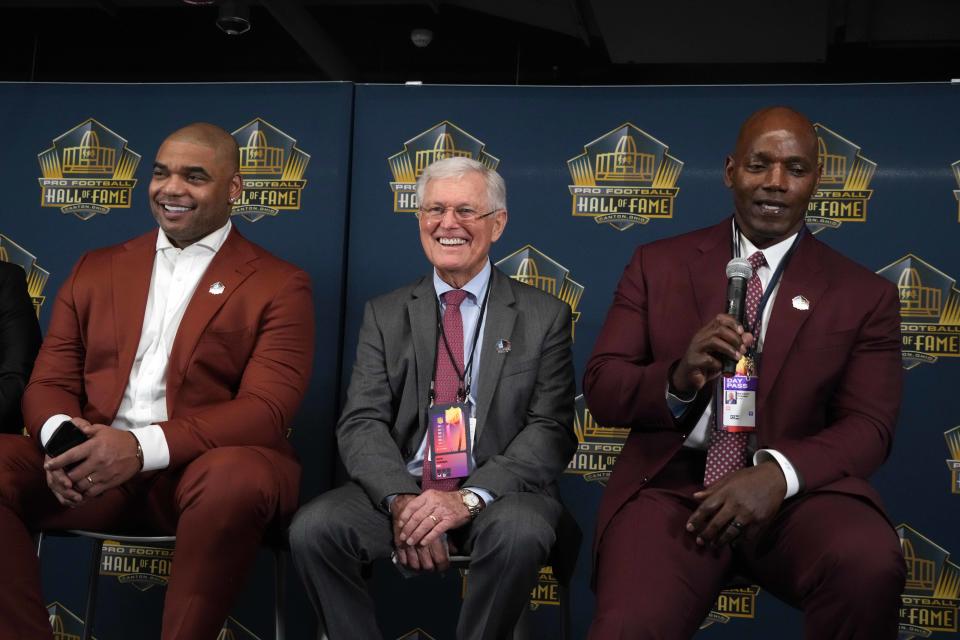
(217, 288)
(801, 303)
(503, 345)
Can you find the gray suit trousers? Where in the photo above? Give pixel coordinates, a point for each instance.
(334, 535)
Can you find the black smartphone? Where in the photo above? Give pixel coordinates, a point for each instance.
(66, 437)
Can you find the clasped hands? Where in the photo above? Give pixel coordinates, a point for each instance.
(106, 460)
(419, 522)
(743, 502)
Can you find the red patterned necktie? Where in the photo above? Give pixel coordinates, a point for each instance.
(448, 380)
(728, 450)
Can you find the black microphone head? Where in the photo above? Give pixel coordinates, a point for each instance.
(739, 268)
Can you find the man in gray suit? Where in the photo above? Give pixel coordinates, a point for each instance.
(464, 341)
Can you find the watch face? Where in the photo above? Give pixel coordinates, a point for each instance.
(471, 499)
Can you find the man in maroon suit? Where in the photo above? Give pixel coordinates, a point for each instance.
(182, 356)
(785, 502)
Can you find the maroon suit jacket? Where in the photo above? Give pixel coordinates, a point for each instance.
(238, 367)
(830, 376)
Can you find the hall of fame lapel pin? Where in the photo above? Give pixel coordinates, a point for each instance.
(801, 303)
(217, 288)
(503, 345)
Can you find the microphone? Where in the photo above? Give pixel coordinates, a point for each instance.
(739, 273)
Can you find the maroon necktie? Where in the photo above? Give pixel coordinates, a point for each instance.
(728, 450)
(448, 380)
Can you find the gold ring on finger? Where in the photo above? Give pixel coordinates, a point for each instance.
(435, 519)
(90, 480)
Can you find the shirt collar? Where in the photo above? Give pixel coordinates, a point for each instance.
(774, 253)
(475, 288)
(212, 241)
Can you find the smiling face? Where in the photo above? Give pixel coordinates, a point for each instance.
(458, 250)
(773, 173)
(192, 188)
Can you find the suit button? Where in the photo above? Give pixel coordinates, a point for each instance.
(644, 480)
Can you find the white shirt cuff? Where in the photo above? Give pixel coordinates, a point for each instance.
(156, 453)
(789, 473)
(46, 431)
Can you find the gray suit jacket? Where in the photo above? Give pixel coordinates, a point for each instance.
(524, 408)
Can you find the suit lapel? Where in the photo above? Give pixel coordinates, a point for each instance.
(229, 267)
(501, 316)
(708, 272)
(422, 314)
(132, 272)
(801, 277)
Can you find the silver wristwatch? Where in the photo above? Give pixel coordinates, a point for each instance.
(472, 502)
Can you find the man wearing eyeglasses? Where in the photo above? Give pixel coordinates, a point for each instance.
(458, 419)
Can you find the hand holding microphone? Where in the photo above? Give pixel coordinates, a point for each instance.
(717, 347)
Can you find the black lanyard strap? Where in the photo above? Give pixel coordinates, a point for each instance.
(775, 280)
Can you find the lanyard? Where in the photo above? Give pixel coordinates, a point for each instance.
(772, 285)
(463, 390)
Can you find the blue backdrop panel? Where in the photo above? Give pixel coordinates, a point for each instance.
(889, 194)
(303, 222)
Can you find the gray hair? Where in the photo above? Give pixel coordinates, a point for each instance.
(457, 168)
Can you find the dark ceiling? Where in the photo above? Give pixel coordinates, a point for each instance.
(495, 41)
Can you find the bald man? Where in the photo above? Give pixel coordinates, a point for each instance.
(182, 356)
(762, 474)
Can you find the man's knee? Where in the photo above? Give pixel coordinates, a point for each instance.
(19, 466)
(514, 531)
(869, 568)
(233, 481)
(316, 527)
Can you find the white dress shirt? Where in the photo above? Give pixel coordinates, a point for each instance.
(699, 437)
(176, 274)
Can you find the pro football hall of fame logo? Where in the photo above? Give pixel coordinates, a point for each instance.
(930, 597)
(37, 276)
(952, 437)
(142, 567)
(65, 623)
(843, 191)
(929, 310)
(597, 446)
(88, 170)
(441, 141)
(272, 168)
(530, 266)
(624, 177)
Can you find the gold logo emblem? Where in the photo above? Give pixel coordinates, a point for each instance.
(141, 567)
(272, 168)
(597, 446)
(733, 603)
(546, 591)
(233, 630)
(64, 623)
(529, 266)
(88, 170)
(843, 191)
(37, 276)
(956, 192)
(930, 597)
(952, 437)
(439, 142)
(929, 310)
(624, 177)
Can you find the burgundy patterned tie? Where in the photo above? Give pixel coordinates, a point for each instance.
(447, 382)
(728, 450)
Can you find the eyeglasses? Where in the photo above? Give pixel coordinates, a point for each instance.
(463, 214)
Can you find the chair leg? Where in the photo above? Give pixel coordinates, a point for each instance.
(91, 608)
(38, 540)
(279, 593)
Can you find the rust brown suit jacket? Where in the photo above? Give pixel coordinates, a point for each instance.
(830, 376)
(238, 367)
